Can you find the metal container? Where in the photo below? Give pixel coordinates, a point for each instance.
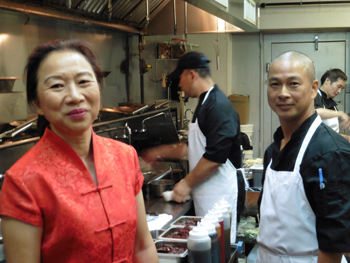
(172, 258)
(160, 186)
(156, 233)
(172, 230)
(177, 222)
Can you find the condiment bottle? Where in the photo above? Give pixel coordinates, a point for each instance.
(223, 203)
(211, 219)
(227, 231)
(199, 246)
(214, 239)
(220, 217)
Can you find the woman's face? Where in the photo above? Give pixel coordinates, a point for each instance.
(68, 92)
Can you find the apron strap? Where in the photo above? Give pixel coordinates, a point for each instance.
(206, 95)
(306, 141)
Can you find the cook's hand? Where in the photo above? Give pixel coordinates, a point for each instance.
(344, 120)
(181, 191)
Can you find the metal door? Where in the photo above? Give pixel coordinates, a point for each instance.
(329, 54)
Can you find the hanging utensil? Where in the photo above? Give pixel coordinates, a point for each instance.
(217, 51)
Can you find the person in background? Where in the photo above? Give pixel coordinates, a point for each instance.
(305, 201)
(332, 83)
(213, 141)
(75, 196)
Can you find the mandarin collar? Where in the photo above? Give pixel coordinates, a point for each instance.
(299, 133)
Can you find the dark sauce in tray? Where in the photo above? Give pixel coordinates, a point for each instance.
(170, 249)
(189, 221)
(181, 233)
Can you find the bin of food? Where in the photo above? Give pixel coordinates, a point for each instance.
(186, 221)
(171, 251)
(176, 233)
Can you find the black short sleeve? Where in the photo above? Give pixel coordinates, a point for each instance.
(318, 102)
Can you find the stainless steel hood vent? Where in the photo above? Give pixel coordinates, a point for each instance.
(126, 12)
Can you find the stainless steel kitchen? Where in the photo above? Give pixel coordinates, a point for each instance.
(137, 44)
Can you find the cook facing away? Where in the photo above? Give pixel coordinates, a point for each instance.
(214, 141)
(305, 202)
(75, 196)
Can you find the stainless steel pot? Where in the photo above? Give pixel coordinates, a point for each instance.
(161, 185)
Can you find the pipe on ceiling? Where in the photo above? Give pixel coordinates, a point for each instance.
(147, 14)
(175, 25)
(69, 4)
(110, 9)
(301, 3)
(185, 20)
(23, 8)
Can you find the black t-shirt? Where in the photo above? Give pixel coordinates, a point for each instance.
(324, 102)
(219, 122)
(331, 152)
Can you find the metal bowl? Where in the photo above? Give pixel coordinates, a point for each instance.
(162, 185)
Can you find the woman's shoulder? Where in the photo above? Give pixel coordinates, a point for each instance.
(113, 145)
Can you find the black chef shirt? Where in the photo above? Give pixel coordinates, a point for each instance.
(324, 102)
(331, 152)
(219, 122)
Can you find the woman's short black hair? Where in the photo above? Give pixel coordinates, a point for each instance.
(43, 50)
(40, 53)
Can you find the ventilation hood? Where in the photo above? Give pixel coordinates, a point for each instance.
(132, 16)
(125, 15)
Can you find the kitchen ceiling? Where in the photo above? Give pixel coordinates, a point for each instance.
(128, 12)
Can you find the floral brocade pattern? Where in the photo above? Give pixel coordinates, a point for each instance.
(50, 187)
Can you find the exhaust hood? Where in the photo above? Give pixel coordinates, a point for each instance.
(136, 16)
(124, 15)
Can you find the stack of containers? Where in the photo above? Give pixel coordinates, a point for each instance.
(214, 239)
(227, 230)
(199, 246)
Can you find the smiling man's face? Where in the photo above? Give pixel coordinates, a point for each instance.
(290, 91)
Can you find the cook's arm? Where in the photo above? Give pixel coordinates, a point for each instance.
(344, 118)
(324, 257)
(166, 151)
(144, 249)
(22, 241)
(203, 170)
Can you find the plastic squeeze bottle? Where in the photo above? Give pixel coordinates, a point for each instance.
(199, 246)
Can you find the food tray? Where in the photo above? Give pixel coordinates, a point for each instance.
(172, 230)
(177, 222)
(172, 258)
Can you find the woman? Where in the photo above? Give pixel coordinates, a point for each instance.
(75, 196)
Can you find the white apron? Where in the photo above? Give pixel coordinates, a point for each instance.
(221, 184)
(331, 122)
(287, 231)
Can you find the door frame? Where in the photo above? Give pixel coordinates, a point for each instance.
(266, 134)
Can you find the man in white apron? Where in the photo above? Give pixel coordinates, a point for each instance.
(213, 141)
(332, 83)
(305, 202)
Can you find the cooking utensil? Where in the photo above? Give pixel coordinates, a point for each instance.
(13, 132)
(144, 108)
(160, 176)
(158, 106)
(161, 185)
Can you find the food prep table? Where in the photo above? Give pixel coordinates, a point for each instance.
(158, 204)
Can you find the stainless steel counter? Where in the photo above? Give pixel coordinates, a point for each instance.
(157, 204)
